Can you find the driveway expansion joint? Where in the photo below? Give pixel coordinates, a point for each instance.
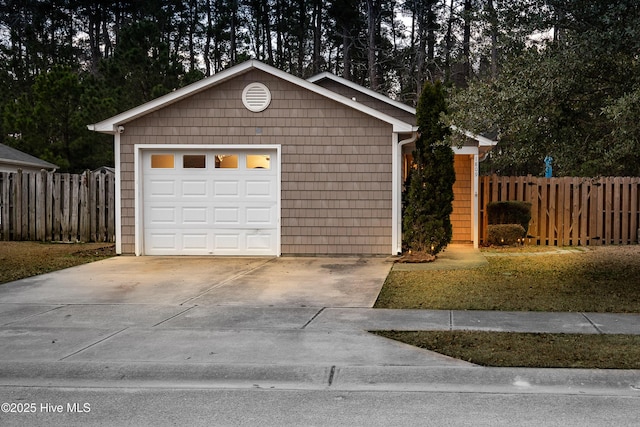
(313, 318)
(174, 316)
(95, 343)
(229, 280)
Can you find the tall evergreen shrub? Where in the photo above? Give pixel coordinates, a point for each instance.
(429, 190)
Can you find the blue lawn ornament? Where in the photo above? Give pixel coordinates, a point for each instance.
(548, 169)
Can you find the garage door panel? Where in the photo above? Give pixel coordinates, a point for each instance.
(226, 189)
(161, 215)
(210, 210)
(163, 240)
(198, 242)
(226, 216)
(259, 216)
(262, 188)
(194, 215)
(226, 242)
(161, 188)
(193, 188)
(259, 241)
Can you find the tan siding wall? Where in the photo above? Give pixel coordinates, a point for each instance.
(462, 215)
(336, 162)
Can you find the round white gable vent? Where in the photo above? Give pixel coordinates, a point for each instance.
(256, 97)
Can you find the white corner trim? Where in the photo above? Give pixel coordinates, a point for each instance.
(476, 189)
(118, 195)
(396, 191)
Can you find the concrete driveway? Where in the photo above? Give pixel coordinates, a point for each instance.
(209, 281)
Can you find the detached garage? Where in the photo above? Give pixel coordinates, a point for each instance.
(255, 161)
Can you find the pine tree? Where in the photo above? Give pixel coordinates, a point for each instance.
(429, 190)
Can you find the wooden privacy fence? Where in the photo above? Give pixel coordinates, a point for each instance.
(569, 211)
(49, 206)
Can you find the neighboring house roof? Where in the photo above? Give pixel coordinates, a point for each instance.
(485, 141)
(17, 158)
(111, 125)
(364, 90)
(104, 169)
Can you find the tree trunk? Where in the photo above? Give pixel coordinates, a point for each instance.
(317, 35)
(302, 6)
(233, 47)
(493, 25)
(372, 14)
(466, 42)
(448, 43)
(207, 40)
(346, 53)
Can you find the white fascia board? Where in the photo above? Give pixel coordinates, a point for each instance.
(111, 125)
(482, 140)
(362, 89)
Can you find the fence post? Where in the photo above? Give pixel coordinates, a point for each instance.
(49, 207)
(634, 209)
(75, 208)
(40, 205)
(625, 235)
(65, 198)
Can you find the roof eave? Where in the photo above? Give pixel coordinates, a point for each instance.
(47, 166)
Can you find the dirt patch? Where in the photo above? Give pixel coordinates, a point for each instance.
(416, 258)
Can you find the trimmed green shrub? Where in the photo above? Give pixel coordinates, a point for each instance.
(505, 234)
(511, 212)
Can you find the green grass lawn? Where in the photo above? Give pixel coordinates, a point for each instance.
(601, 279)
(24, 259)
(504, 349)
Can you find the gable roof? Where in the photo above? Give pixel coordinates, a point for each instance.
(12, 156)
(362, 89)
(110, 125)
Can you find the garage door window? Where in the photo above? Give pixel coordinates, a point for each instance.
(194, 161)
(227, 161)
(258, 161)
(162, 161)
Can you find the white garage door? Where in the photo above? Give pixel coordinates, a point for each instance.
(210, 202)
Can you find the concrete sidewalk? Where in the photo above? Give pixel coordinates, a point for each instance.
(304, 348)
